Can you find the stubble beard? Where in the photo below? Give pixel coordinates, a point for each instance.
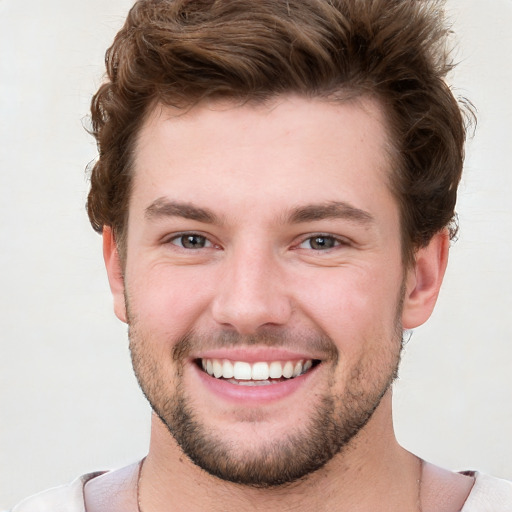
(326, 431)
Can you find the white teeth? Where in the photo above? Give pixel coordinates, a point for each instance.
(275, 370)
(288, 370)
(260, 371)
(217, 369)
(242, 371)
(227, 369)
(251, 382)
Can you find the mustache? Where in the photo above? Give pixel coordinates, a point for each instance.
(315, 342)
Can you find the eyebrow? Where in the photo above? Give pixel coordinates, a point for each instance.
(163, 207)
(330, 210)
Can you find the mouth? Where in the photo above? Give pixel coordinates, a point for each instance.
(261, 373)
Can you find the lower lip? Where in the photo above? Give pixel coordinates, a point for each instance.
(253, 394)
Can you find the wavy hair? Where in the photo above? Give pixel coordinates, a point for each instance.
(179, 52)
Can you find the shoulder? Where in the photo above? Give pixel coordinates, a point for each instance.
(489, 494)
(115, 491)
(65, 498)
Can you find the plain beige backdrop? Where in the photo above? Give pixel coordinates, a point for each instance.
(68, 401)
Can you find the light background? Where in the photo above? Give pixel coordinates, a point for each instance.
(68, 401)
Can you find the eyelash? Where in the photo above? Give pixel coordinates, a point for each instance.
(182, 236)
(336, 242)
(326, 242)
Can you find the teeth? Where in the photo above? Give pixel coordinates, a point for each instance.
(227, 369)
(288, 370)
(275, 370)
(251, 382)
(242, 371)
(260, 371)
(217, 369)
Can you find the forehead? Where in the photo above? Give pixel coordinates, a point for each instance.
(285, 153)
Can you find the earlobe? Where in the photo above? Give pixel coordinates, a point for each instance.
(114, 272)
(424, 281)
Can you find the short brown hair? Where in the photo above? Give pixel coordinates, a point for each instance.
(179, 52)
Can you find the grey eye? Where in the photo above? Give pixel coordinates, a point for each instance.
(319, 243)
(192, 241)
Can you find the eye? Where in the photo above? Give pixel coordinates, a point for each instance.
(321, 242)
(191, 241)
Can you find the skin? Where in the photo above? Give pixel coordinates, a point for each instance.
(259, 172)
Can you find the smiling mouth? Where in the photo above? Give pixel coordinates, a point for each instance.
(256, 374)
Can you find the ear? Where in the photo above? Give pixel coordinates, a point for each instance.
(424, 280)
(114, 272)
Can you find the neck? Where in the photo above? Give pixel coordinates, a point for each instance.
(373, 473)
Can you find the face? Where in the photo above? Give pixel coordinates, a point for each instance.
(263, 281)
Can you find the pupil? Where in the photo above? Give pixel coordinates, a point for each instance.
(321, 242)
(192, 241)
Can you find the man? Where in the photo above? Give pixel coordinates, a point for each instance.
(275, 187)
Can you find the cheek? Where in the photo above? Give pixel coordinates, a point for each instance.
(352, 307)
(167, 300)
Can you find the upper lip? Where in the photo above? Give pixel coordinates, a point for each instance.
(254, 354)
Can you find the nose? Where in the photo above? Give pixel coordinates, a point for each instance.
(252, 292)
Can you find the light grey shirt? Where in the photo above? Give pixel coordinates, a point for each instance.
(489, 494)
